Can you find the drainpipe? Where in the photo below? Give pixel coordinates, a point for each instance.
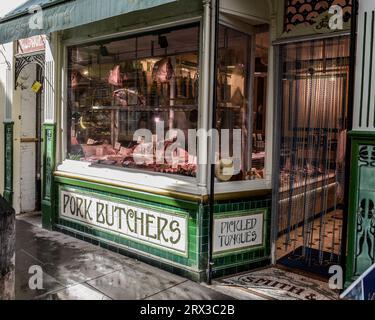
(215, 47)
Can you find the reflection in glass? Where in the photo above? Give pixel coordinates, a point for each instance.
(242, 69)
(116, 88)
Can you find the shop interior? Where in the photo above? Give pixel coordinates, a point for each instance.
(117, 88)
(312, 154)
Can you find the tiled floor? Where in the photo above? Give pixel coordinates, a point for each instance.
(76, 270)
(331, 236)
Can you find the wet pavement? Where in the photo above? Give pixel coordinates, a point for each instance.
(76, 270)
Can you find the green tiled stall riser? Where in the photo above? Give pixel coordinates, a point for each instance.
(187, 262)
(240, 260)
(193, 263)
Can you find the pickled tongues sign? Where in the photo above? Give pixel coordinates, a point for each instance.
(158, 228)
(241, 232)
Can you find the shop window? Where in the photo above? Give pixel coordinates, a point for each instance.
(118, 87)
(241, 104)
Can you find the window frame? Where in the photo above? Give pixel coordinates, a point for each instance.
(266, 182)
(125, 176)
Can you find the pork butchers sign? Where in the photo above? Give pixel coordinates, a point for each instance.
(163, 229)
(232, 233)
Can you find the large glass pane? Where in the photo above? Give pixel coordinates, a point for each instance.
(241, 109)
(118, 87)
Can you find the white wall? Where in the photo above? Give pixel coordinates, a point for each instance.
(7, 51)
(364, 99)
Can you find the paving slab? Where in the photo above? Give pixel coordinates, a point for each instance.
(34, 218)
(76, 270)
(23, 291)
(189, 290)
(135, 284)
(77, 292)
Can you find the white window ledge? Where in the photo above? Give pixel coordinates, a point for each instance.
(143, 180)
(133, 178)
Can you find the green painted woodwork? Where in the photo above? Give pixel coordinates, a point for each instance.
(8, 161)
(367, 136)
(49, 161)
(361, 232)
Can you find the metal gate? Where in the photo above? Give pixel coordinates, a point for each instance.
(314, 89)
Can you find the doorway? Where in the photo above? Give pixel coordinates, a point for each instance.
(31, 137)
(314, 89)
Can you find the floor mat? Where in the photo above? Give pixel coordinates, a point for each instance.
(295, 260)
(278, 284)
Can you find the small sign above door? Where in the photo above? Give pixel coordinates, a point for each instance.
(31, 45)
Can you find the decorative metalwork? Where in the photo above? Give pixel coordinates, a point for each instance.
(365, 238)
(306, 11)
(23, 61)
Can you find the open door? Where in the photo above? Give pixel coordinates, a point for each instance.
(312, 156)
(31, 109)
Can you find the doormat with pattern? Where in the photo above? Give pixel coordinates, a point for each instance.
(277, 284)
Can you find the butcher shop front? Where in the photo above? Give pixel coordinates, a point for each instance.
(206, 138)
(136, 139)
